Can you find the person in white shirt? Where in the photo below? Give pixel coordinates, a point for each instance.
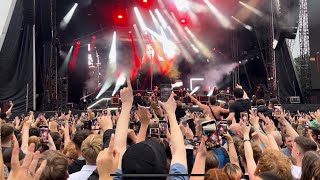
(90, 148)
(300, 146)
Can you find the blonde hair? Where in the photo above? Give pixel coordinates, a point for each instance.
(57, 165)
(91, 147)
(71, 149)
(35, 140)
(233, 171)
(275, 162)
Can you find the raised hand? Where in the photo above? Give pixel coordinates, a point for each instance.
(144, 115)
(254, 120)
(26, 171)
(170, 105)
(105, 122)
(126, 94)
(245, 130)
(108, 160)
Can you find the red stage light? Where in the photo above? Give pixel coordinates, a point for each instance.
(120, 16)
(183, 21)
(145, 1)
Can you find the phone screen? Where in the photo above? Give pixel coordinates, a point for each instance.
(165, 91)
(277, 109)
(44, 133)
(154, 132)
(244, 117)
(209, 129)
(163, 126)
(254, 109)
(223, 127)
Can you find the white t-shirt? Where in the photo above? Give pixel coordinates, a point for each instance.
(296, 172)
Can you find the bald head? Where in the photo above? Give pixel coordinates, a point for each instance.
(235, 127)
(277, 137)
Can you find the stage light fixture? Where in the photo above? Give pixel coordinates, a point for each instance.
(221, 18)
(65, 21)
(145, 1)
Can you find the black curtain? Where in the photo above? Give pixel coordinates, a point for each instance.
(16, 57)
(287, 80)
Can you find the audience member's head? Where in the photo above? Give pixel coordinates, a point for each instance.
(275, 162)
(277, 137)
(34, 132)
(35, 140)
(212, 161)
(57, 166)
(179, 104)
(91, 147)
(79, 137)
(272, 102)
(301, 145)
(314, 133)
(57, 139)
(311, 166)
(233, 171)
(238, 93)
(6, 134)
(70, 152)
(213, 100)
(261, 102)
(289, 142)
(216, 174)
(147, 157)
(7, 154)
(257, 153)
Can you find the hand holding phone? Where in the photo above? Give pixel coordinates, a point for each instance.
(44, 134)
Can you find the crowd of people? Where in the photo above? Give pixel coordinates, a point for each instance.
(164, 141)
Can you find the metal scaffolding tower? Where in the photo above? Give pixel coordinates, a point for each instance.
(305, 76)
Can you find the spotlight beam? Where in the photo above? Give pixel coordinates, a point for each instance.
(140, 20)
(161, 19)
(65, 21)
(112, 66)
(252, 9)
(221, 18)
(242, 23)
(66, 61)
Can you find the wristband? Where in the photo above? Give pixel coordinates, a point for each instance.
(245, 140)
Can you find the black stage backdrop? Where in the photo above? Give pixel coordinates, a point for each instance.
(288, 83)
(16, 57)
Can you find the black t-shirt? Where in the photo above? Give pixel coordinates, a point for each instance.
(241, 105)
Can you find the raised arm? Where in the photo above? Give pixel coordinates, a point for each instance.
(199, 165)
(251, 164)
(177, 142)
(289, 129)
(25, 133)
(269, 129)
(144, 117)
(255, 123)
(124, 118)
(66, 130)
(202, 106)
(245, 95)
(232, 150)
